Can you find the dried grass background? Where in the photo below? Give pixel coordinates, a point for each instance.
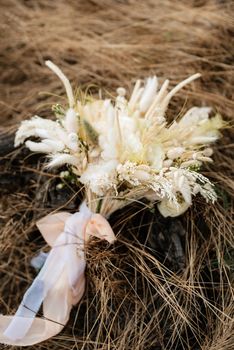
(134, 299)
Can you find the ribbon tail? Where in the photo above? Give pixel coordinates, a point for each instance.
(56, 309)
(26, 331)
(40, 330)
(22, 321)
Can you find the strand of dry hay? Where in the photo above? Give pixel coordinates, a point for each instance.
(107, 42)
(134, 300)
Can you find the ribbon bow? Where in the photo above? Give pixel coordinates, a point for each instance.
(61, 282)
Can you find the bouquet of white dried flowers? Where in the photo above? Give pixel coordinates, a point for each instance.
(120, 150)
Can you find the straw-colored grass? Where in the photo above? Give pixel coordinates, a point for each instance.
(136, 298)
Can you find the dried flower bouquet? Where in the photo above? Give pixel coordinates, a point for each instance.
(119, 150)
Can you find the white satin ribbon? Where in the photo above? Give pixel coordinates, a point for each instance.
(61, 281)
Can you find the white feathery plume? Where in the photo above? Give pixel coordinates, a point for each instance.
(190, 163)
(73, 141)
(148, 94)
(64, 80)
(34, 127)
(175, 152)
(194, 116)
(71, 121)
(135, 94)
(56, 146)
(60, 159)
(43, 134)
(159, 97)
(38, 147)
(179, 87)
(203, 139)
